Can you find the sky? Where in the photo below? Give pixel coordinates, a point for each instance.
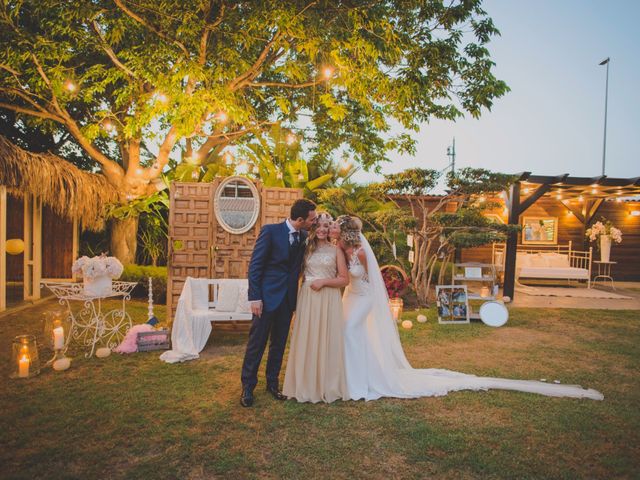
(552, 120)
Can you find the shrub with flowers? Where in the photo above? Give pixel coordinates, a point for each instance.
(603, 227)
(92, 268)
(395, 281)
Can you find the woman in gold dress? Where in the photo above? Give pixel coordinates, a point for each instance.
(315, 368)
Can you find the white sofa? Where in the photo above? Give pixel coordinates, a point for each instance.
(555, 262)
(197, 309)
(220, 299)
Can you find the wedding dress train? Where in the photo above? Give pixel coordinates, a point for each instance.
(375, 362)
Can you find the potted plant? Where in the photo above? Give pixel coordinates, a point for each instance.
(604, 231)
(97, 273)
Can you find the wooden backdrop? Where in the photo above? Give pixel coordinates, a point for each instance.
(199, 247)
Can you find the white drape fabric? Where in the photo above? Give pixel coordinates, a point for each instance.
(189, 333)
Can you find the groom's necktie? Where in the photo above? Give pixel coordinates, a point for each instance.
(296, 240)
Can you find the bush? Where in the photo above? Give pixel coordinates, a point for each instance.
(141, 274)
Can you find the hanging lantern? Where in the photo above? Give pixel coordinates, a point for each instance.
(24, 357)
(15, 246)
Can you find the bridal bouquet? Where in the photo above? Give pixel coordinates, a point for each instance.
(96, 267)
(604, 227)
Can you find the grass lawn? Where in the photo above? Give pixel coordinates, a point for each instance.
(135, 417)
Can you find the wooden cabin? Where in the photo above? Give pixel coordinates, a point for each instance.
(46, 202)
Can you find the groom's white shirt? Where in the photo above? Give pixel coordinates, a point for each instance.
(292, 230)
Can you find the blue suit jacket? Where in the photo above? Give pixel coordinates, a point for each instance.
(275, 267)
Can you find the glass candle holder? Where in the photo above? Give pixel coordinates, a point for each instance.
(24, 357)
(396, 304)
(57, 328)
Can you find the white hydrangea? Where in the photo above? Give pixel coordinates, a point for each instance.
(92, 268)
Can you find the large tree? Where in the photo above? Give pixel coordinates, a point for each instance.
(131, 82)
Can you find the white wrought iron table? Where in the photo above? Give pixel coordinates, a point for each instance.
(90, 326)
(604, 272)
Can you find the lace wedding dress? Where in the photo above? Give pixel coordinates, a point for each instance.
(375, 362)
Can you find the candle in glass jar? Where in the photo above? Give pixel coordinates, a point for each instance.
(58, 338)
(23, 366)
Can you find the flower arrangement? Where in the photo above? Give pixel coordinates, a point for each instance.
(395, 280)
(95, 267)
(604, 227)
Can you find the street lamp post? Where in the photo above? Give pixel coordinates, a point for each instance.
(606, 101)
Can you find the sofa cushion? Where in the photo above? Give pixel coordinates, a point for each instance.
(227, 297)
(243, 306)
(557, 260)
(199, 294)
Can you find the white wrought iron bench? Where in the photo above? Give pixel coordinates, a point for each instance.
(548, 262)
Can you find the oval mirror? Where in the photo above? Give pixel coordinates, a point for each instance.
(237, 205)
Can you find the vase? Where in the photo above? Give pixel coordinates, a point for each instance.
(97, 287)
(605, 248)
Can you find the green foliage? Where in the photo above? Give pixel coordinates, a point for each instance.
(147, 68)
(141, 274)
(152, 205)
(468, 227)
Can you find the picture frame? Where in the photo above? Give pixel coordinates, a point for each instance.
(539, 230)
(452, 302)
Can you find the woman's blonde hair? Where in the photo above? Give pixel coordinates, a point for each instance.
(312, 243)
(350, 228)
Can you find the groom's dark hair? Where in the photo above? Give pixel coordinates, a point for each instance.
(301, 208)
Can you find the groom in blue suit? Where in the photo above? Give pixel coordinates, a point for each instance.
(273, 290)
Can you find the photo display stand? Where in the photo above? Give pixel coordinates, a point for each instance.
(453, 304)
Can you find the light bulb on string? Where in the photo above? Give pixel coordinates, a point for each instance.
(195, 174)
(70, 85)
(291, 139)
(108, 126)
(327, 72)
(222, 117)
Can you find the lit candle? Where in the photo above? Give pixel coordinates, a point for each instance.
(23, 366)
(58, 338)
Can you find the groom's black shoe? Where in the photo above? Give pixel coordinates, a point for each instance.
(276, 393)
(246, 400)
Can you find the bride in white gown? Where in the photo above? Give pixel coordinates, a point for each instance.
(374, 359)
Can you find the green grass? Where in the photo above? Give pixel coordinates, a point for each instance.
(136, 417)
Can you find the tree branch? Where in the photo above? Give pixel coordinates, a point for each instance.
(283, 85)
(110, 52)
(151, 27)
(255, 68)
(33, 113)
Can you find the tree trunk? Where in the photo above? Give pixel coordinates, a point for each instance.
(124, 239)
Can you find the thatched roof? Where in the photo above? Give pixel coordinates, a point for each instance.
(67, 190)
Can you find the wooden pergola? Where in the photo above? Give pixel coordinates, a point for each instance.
(591, 191)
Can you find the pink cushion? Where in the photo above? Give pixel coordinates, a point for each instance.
(130, 342)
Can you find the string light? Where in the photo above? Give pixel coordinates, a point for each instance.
(327, 72)
(108, 126)
(279, 175)
(594, 190)
(222, 117)
(300, 177)
(291, 139)
(581, 198)
(70, 86)
(195, 174)
(138, 171)
(526, 190)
